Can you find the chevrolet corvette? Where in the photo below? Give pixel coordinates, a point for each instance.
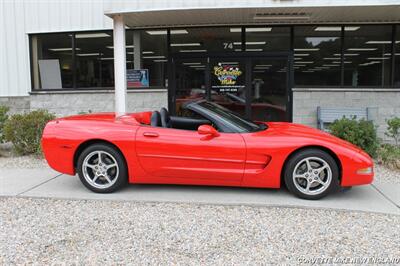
(206, 145)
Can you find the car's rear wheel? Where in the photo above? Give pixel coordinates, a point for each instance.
(311, 174)
(102, 168)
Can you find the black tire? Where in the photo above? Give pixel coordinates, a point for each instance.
(297, 159)
(117, 174)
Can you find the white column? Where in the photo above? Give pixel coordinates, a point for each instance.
(119, 65)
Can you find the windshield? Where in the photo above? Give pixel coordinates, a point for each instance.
(232, 118)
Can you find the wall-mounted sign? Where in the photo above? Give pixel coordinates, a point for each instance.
(227, 76)
(137, 78)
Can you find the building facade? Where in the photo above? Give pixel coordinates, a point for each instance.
(269, 60)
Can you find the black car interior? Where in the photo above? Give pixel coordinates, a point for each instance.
(164, 119)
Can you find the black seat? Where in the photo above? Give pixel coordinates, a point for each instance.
(155, 120)
(165, 118)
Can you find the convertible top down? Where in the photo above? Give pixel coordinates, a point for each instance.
(206, 145)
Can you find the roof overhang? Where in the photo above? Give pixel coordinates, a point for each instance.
(219, 16)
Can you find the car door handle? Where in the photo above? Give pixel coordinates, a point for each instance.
(150, 134)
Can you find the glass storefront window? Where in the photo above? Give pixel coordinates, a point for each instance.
(367, 54)
(190, 81)
(261, 39)
(94, 59)
(52, 61)
(154, 55)
(317, 55)
(397, 59)
(203, 40)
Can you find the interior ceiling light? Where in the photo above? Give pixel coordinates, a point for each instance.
(91, 35)
(126, 46)
(281, 16)
(185, 44)
(301, 54)
(164, 32)
(193, 51)
(348, 54)
(306, 49)
(379, 42)
(347, 28)
(88, 54)
(250, 43)
(63, 49)
(253, 50)
(251, 29)
(362, 49)
(160, 60)
(331, 58)
(154, 57)
(191, 63)
(378, 58)
(345, 62)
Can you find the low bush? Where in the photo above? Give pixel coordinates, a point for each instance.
(389, 155)
(359, 132)
(3, 118)
(25, 130)
(393, 129)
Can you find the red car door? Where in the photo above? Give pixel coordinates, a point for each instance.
(184, 156)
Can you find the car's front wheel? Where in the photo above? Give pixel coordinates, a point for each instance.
(102, 168)
(311, 174)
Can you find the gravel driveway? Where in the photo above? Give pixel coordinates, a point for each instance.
(44, 231)
(48, 231)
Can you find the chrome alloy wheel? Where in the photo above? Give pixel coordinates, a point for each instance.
(312, 175)
(100, 169)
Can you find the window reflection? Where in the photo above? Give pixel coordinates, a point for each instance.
(201, 40)
(367, 56)
(261, 39)
(52, 61)
(94, 59)
(317, 55)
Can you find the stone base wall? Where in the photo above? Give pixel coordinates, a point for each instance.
(68, 103)
(16, 104)
(383, 104)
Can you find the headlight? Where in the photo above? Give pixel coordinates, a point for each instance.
(365, 171)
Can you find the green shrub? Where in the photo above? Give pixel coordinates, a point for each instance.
(3, 118)
(389, 155)
(359, 132)
(393, 129)
(25, 131)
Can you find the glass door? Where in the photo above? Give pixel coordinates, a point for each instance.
(269, 89)
(228, 83)
(190, 81)
(255, 87)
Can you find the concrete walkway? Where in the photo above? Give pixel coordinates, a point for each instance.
(46, 183)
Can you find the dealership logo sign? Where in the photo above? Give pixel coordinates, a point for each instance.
(227, 75)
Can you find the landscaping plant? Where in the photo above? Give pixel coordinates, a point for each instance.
(3, 118)
(25, 131)
(359, 132)
(393, 129)
(388, 154)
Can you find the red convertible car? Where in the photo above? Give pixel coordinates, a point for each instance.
(209, 145)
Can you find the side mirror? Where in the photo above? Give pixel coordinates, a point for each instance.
(208, 131)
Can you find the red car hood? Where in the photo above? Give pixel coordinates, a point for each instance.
(298, 130)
